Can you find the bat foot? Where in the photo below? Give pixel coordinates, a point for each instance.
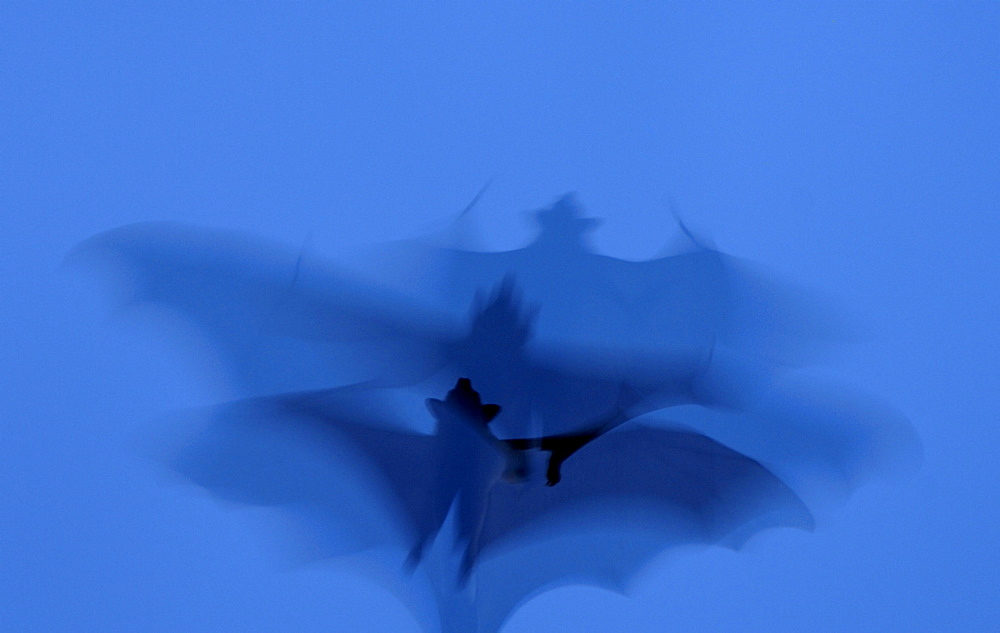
(552, 474)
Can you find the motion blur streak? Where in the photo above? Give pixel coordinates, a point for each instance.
(558, 415)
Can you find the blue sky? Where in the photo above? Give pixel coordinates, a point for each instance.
(849, 146)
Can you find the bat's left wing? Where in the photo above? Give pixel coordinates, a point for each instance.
(279, 321)
(705, 488)
(624, 497)
(345, 462)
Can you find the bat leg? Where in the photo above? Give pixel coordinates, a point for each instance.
(472, 506)
(465, 569)
(517, 469)
(470, 556)
(415, 556)
(560, 449)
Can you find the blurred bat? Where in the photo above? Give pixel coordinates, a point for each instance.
(281, 322)
(280, 326)
(622, 494)
(692, 296)
(293, 332)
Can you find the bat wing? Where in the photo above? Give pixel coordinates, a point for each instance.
(694, 295)
(624, 498)
(575, 389)
(657, 472)
(280, 322)
(551, 388)
(577, 291)
(341, 461)
(698, 293)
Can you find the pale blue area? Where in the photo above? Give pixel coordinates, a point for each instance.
(850, 147)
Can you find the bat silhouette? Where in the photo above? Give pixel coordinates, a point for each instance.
(281, 322)
(281, 328)
(623, 493)
(692, 296)
(567, 451)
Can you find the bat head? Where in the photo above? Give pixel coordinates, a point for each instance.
(564, 218)
(464, 401)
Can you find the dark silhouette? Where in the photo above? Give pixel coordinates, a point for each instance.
(559, 447)
(581, 478)
(468, 461)
(692, 296)
(283, 326)
(363, 478)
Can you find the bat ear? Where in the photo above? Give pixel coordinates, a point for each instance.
(435, 406)
(490, 411)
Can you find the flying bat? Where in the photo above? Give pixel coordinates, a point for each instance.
(280, 322)
(293, 333)
(280, 326)
(693, 295)
(619, 493)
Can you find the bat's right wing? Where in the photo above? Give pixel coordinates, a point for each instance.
(624, 498)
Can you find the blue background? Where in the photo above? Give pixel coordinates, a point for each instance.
(852, 147)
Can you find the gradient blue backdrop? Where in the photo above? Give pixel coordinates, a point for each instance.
(852, 146)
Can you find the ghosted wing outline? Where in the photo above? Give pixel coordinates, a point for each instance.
(282, 325)
(691, 295)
